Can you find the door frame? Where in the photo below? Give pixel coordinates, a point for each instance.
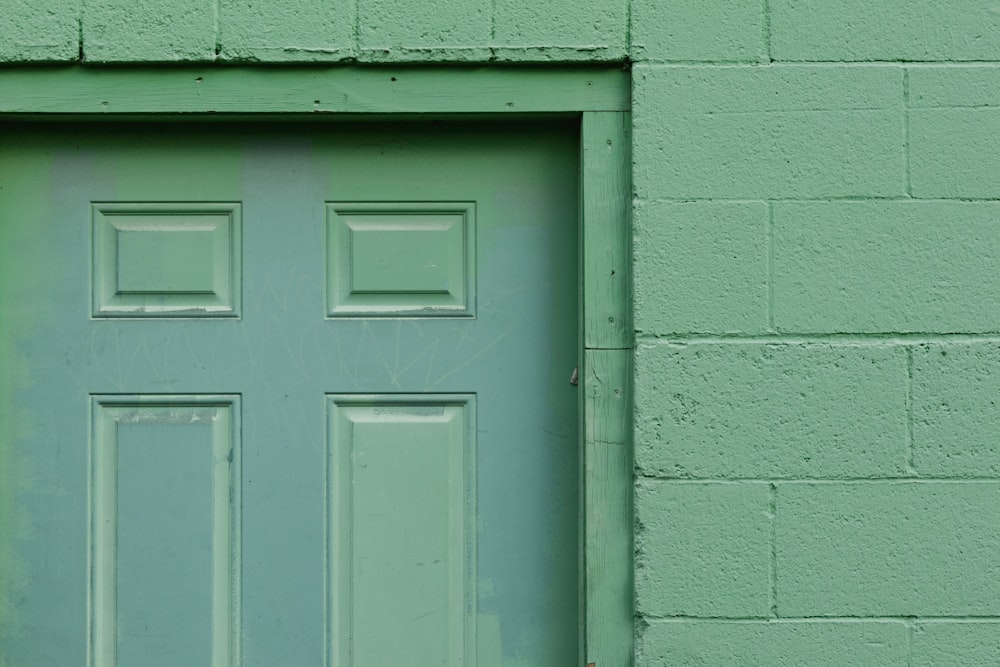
(599, 98)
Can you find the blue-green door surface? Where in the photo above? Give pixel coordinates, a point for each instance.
(293, 395)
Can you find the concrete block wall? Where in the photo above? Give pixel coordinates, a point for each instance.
(817, 299)
(268, 31)
(817, 290)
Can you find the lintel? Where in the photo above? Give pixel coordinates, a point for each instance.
(205, 89)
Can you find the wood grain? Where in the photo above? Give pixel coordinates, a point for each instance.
(315, 90)
(606, 239)
(608, 507)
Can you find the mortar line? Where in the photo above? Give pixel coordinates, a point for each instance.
(493, 28)
(823, 200)
(906, 132)
(948, 107)
(909, 643)
(217, 28)
(952, 619)
(357, 29)
(718, 63)
(737, 620)
(772, 505)
(628, 30)
(770, 267)
(928, 64)
(654, 479)
(79, 33)
(755, 112)
(792, 338)
(910, 446)
(766, 28)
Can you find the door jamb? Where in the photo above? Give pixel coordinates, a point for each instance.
(598, 96)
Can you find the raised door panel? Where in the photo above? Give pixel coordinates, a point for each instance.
(164, 530)
(402, 540)
(158, 259)
(401, 259)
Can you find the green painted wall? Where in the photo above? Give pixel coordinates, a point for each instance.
(817, 245)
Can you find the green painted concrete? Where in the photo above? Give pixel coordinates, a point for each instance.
(955, 152)
(955, 390)
(771, 411)
(133, 31)
(704, 549)
(956, 644)
(768, 133)
(934, 85)
(711, 257)
(713, 30)
(886, 30)
(275, 30)
(46, 30)
(559, 30)
(884, 266)
(794, 334)
(777, 644)
(415, 30)
(910, 548)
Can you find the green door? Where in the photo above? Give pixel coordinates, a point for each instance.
(293, 395)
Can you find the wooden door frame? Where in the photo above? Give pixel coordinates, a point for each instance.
(598, 97)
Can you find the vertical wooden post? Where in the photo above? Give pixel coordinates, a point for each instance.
(607, 382)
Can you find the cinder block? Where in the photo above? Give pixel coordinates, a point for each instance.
(889, 548)
(416, 30)
(774, 643)
(885, 30)
(954, 131)
(955, 152)
(709, 30)
(148, 30)
(39, 31)
(767, 132)
(279, 31)
(700, 267)
(703, 549)
(886, 267)
(956, 644)
(956, 409)
(766, 411)
(560, 30)
(953, 86)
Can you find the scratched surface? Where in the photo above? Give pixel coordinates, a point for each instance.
(283, 357)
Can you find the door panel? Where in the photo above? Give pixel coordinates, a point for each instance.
(165, 515)
(307, 382)
(402, 481)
